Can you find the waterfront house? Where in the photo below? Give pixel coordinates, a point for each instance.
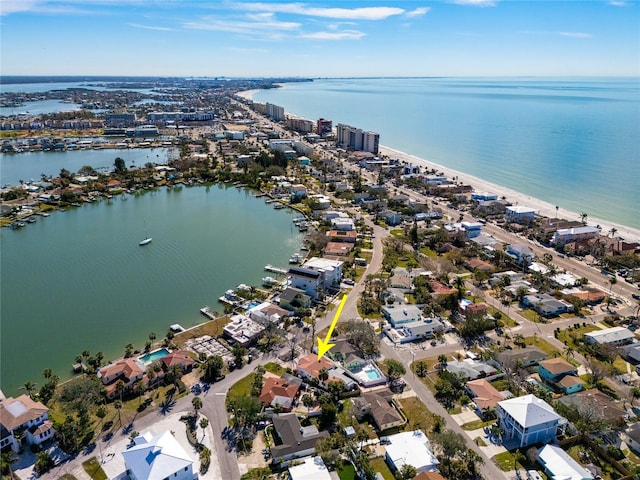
(293, 298)
(296, 441)
(483, 394)
(178, 358)
(338, 249)
(307, 280)
(410, 448)
(158, 457)
(569, 235)
(23, 414)
(268, 312)
(298, 191)
(527, 420)
(610, 336)
(280, 391)
(559, 465)
(127, 370)
(243, 330)
(330, 270)
(346, 236)
(519, 214)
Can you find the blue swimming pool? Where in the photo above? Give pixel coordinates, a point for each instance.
(372, 373)
(150, 357)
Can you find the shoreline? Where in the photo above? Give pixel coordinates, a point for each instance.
(543, 207)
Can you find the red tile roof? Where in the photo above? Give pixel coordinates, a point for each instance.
(277, 387)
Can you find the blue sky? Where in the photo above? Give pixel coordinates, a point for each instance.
(320, 38)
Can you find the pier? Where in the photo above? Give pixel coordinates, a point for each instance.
(271, 268)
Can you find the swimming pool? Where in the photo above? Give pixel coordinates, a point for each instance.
(372, 373)
(150, 357)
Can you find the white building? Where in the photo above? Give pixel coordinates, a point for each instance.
(243, 330)
(331, 270)
(24, 414)
(568, 235)
(158, 458)
(559, 465)
(410, 448)
(313, 468)
(610, 336)
(519, 214)
(353, 138)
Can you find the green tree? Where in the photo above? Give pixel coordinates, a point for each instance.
(407, 472)
(307, 401)
(44, 463)
(7, 459)
(119, 165)
(323, 375)
(394, 368)
(212, 368)
(197, 404)
(30, 389)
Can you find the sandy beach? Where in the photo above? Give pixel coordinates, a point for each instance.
(543, 208)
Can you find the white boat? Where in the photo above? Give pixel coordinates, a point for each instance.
(295, 258)
(146, 241)
(268, 281)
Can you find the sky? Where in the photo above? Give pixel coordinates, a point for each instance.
(342, 38)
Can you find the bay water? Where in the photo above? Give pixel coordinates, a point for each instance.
(570, 142)
(79, 280)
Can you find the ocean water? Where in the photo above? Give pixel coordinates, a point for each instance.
(574, 143)
(79, 280)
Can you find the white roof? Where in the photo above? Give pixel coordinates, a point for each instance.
(156, 458)
(411, 448)
(529, 410)
(316, 263)
(610, 334)
(561, 466)
(576, 230)
(312, 469)
(521, 209)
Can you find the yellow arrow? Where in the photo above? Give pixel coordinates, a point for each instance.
(323, 345)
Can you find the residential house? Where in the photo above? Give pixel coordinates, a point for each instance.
(296, 441)
(478, 264)
(524, 357)
(589, 296)
(410, 448)
(309, 366)
(546, 305)
(519, 214)
(439, 289)
(380, 407)
(527, 420)
(398, 315)
(338, 249)
(593, 400)
(631, 437)
(471, 369)
(23, 414)
(557, 371)
(179, 358)
(521, 253)
(483, 394)
(568, 235)
(307, 280)
(390, 217)
(631, 353)
(280, 391)
(472, 310)
(417, 330)
(127, 370)
(346, 236)
(312, 468)
(268, 312)
(243, 330)
(559, 465)
(610, 336)
(513, 277)
(472, 229)
(298, 191)
(158, 457)
(330, 270)
(293, 298)
(429, 476)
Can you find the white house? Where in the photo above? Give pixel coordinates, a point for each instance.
(610, 336)
(527, 420)
(158, 458)
(568, 235)
(331, 270)
(25, 414)
(313, 468)
(521, 253)
(410, 448)
(559, 465)
(519, 214)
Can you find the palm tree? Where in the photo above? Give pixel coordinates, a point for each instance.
(197, 404)
(613, 231)
(118, 406)
(583, 217)
(307, 401)
(6, 460)
(557, 208)
(120, 388)
(323, 375)
(30, 388)
(442, 361)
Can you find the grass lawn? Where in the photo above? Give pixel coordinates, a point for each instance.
(428, 252)
(212, 328)
(347, 473)
(274, 368)
(93, 469)
(476, 424)
(620, 365)
(508, 321)
(530, 315)
(242, 388)
(67, 476)
(380, 466)
(569, 336)
(480, 442)
(505, 461)
(418, 417)
(542, 344)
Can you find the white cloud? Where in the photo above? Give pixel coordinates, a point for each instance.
(618, 3)
(575, 34)
(151, 27)
(418, 12)
(257, 24)
(14, 6)
(344, 35)
(476, 3)
(363, 13)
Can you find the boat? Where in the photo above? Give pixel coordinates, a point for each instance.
(269, 281)
(295, 258)
(147, 239)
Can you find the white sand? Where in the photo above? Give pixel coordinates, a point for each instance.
(543, 208)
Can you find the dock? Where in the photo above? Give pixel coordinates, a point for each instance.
(206, 311)
(176, 327)
(271, 268)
